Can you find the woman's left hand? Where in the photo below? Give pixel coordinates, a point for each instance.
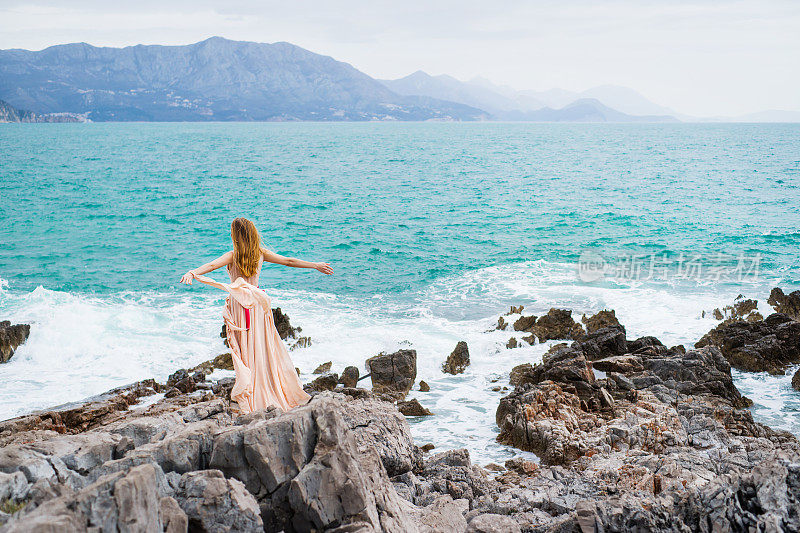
(325, 268)
(187, 278)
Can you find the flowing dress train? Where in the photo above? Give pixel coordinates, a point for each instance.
(265, 374)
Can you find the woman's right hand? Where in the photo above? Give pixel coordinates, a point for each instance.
(187, 278)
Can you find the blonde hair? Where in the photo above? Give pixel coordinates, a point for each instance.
(246, 246)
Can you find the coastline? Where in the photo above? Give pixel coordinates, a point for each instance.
(628, 432)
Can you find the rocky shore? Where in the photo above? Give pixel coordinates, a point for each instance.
(632, 435)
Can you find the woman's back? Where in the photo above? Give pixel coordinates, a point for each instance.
(235, 272)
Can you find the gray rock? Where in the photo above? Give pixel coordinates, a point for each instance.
(443, 514)
(123, 501)
(215, 504)
(13, 486)
(493, 523)
(306, 469)
(393, 373)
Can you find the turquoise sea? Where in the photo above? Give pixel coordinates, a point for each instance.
(434, 229)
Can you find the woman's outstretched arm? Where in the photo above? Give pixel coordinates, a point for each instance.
(272, 257)
(221, 261)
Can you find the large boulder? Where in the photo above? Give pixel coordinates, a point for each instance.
(393, 373)
(767, 345)
(11, 337)
(307, 471)
(557, 324)
(458, 360)
(788, 304)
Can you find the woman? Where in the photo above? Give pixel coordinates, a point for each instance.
(265, 374)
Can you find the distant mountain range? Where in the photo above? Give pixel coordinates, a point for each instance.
(223, 80)
(601, 104)
(216, 79)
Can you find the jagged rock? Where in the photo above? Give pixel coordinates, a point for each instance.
(622, 364)
(413, 408)
(561, 413)
(379, 426)
(72, 418)
(566, 365)
(324, 367)
(122, 501)
(323, 383)
(522, 466)
(603, 342)
(393, 373)
(182, 381)
(427, 447)
(796, 380)
(515, 310)
(11, 337)
(452, 473)
(557, 324)
(501, 324)
(788, 304)
(601, 320)
(173, 519)
(646, 345)
(424, 387)
(530, 339)
(13, 486)
(306, 470)
(521, 374)
(769, 345)
(741, 309)
(285, 329)
(458, 360)
(440, 515)
(493, 523)
(512, 343)
(301, 342)
(222, 361)
(525, 323)
(349, 377)
(215, 504)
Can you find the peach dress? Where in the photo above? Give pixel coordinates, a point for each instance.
(265, 374)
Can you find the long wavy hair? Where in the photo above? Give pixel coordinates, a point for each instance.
(246, 246)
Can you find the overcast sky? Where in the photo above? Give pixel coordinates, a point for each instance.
(701, 57)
